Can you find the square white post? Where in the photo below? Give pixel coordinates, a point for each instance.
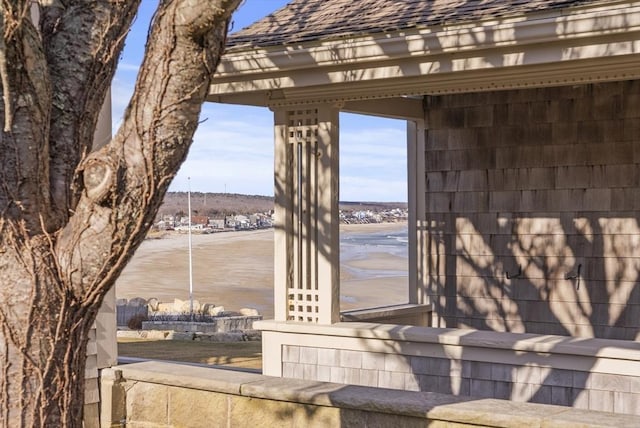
(418, 268)
(307, 246)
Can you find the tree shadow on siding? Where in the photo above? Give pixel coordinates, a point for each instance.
(598, 297)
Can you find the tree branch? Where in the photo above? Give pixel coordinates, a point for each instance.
(83, 41)
(124, 182)
(24, 181)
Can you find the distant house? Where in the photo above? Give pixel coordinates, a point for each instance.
(217, 223)
(230, 221)
(166, 222)
(263, 220)
(201, 220)
(242, 222)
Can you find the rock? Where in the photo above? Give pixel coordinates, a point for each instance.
(214, 311)
(165, 308)
(206, 307)
(249, 312)
(153, 304)
(137, 301)
(184, 306)
(155, 334)
(177, 305)
(229, 314)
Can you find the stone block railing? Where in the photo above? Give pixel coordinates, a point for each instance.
(157, 394)
(222, 324)
(593, 374)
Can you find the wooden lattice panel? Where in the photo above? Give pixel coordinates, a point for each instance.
(303, 126)
(302, 296)
(303, 305)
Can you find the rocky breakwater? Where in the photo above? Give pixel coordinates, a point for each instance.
(179, 316)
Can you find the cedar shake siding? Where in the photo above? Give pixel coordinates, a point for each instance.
(532, 205)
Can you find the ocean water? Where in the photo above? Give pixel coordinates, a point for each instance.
(362, 244)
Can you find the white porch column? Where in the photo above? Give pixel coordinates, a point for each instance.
(307, 246)
(418, 271)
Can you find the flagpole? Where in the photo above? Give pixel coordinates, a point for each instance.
(190, 262)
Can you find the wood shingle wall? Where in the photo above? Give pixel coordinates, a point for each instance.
(102, 352)
(532, 204)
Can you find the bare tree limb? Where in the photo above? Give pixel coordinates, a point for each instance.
(83, 41)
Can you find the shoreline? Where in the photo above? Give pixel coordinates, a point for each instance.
(235, 270)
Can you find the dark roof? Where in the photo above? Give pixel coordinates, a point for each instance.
(308, 20)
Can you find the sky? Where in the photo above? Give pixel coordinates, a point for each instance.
(232, 150)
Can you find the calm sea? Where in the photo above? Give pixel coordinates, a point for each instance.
(360, 245)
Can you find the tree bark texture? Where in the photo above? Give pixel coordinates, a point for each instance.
(71, 217)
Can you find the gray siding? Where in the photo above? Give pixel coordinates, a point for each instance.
(538, 184)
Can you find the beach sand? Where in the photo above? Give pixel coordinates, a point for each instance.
(235, 270)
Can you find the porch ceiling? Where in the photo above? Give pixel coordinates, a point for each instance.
(598, 41)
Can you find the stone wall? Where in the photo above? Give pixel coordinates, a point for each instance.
(160, 394)
(221, 324)
(531, 210)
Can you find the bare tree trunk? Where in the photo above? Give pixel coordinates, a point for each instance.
(71, 218)
(43, 337)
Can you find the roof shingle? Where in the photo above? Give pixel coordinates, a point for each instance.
(308, 20)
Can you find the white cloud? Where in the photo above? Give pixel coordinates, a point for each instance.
(372, 189)
(233, 152)
(373, 163)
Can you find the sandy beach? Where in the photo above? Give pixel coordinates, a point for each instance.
(235, 270)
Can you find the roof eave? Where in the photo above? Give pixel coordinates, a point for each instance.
(561, 47)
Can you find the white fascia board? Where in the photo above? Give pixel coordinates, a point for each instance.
(550, 39)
